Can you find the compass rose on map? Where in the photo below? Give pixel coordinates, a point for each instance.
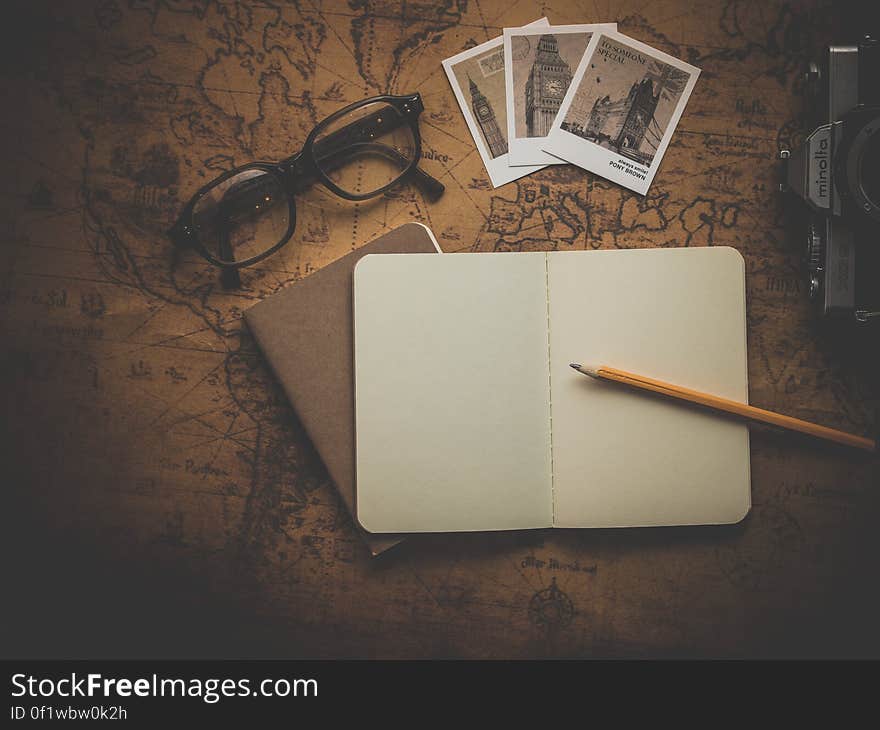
(550, 608)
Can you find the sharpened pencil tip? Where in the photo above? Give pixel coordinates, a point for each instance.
(590, 370)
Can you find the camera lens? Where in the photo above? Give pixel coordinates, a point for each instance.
(869, 173)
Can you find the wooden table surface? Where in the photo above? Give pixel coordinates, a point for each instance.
(165, 499)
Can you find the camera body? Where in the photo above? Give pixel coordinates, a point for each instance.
(836, 172)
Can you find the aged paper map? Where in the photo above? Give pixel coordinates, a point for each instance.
(144, 429)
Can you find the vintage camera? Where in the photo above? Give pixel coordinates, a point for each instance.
(837, 173)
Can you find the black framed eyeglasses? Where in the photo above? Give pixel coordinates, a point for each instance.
(248, 213)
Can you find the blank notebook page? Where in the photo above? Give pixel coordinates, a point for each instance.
(622, 457)
(452, 392)
(468, 416)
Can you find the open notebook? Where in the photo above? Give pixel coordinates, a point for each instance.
(468, 416)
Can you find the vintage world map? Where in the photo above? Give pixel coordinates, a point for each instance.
(142, 420)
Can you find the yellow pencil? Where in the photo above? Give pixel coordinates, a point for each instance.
(723, 404)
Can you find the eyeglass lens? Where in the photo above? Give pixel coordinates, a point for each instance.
(242, 216)
(366, 149)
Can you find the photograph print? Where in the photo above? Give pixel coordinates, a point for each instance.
(625, 101)
(477, 79)
(621, 110)
(481, 77)
(542, 65)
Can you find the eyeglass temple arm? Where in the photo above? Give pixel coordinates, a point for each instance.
(429, 184)
(333, 148)
(181, 236)
(229, 276)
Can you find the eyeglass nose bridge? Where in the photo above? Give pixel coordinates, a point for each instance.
(298, 173)
(304, 169)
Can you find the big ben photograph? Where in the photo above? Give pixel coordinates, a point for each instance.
(481, 81)
(484, 113)
(477, 76)
(542, 63)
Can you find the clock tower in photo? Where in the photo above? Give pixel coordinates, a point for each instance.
(548, 81)
(485, 115)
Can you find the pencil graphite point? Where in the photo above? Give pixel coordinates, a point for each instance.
(585, 369)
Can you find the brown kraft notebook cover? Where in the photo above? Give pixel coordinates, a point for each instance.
(305, 332)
